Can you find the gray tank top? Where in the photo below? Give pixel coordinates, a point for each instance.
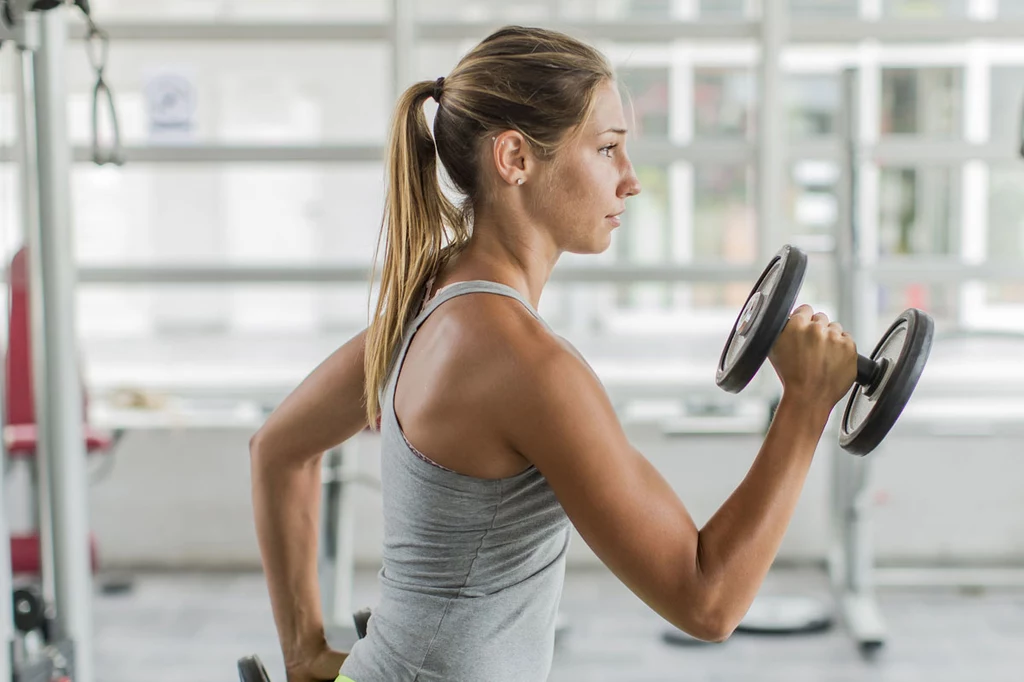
(472, 568)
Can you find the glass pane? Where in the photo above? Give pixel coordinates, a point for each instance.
(811, 203)
(724, 217)
(483, 10)
(919, 211)
(646, 95)
(211, 315)
(274, 93)
(723, 101)
(824, 8)
(149, 10)
(1008, 103)
(1010, 8)
(913, 9)
(1007, 293)
(1006, 214)
(10, 213)
(812, 103)
(230, 213)
(722, 9)
(646, 238)
(925, 101)
(941, 301)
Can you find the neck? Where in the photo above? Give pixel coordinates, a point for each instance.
(507, 250)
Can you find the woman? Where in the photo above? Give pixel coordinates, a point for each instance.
(495, 434)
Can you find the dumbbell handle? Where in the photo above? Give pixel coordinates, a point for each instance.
(869, 372)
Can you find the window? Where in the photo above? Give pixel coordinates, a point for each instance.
(923, 9)
(812, 104)
(922, 101)
(919, 212)
(723, 101)
(285, 93)
(293, 10)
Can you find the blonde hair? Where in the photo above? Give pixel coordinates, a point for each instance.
(538, 82)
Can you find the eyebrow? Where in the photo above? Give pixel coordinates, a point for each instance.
(620, 131)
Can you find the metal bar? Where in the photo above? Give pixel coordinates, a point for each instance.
(344, 538)
(771, 133)
(202, 31)
(28, 180)
(57, 380)
(894, 270)
(642, 151)
(621, 31)
(327, 274)
(403, 28)
(6, 579)
(824, 30)
(892, 151)
(892, 30)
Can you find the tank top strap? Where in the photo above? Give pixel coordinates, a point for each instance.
(443, 295)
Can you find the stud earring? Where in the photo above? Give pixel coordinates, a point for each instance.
(519, 181)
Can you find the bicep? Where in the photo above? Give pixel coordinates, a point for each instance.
(326, 409)
(621, 505)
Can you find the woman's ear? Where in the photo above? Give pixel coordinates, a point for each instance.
(512, 156)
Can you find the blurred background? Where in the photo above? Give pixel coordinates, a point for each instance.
(232, 252)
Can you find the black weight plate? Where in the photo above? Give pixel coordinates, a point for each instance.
(905, 346)
(29, 613)
(361, 619)
(250, 669)
(761, 320)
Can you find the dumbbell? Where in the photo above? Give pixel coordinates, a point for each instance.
(250, 668)
(885, 379)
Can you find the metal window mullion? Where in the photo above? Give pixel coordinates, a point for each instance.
(681, 175)
(974, 218)
(771, 164)
(403, 42)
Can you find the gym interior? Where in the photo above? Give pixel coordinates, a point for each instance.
(190, 202)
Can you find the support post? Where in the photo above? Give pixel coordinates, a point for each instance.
(57, 379)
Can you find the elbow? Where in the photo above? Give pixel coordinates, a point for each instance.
(709, 625)
(258, 451)
(710, 616)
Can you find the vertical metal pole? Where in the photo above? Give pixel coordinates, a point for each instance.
(771, 159)
(6, 580)
(28, 181)
(854, 562)
(58, 392)
(344, 531)
(403, 24)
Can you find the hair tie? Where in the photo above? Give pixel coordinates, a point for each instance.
(438, 86)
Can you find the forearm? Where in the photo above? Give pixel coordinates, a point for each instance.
(739, 543)
(286, 503)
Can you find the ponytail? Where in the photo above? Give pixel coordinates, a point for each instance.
(417, 220)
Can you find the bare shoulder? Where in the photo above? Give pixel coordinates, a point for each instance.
(466, 370)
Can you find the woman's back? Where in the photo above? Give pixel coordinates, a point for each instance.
(472, 567)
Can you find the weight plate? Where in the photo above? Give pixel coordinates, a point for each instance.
(905, 347)
(250, 669)
(761, 319)
(28, 609)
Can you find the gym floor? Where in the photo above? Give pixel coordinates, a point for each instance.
(193, 626)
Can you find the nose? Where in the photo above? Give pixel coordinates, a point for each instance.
(630, 185)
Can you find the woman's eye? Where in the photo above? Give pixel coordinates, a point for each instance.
(607, 150)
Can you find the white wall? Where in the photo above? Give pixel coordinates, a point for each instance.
(182, 499)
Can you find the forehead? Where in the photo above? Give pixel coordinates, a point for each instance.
(608, 111)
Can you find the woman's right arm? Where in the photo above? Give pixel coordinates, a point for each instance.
(701, 580)
(325, 410)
